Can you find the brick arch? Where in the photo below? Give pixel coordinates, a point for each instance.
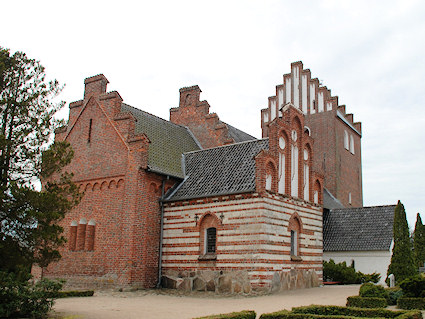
(297, 123)
(271, 172)
(112, 184)
(295, 228)
(317, 187)
(120, 183)
(295, 223)
(104, 185)
(96, 186)
(207, 221)
(88, 187)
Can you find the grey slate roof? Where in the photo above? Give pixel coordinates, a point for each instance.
(358, 229)
(221, 170)
(168, 141)
(330, 201)
(238, 135)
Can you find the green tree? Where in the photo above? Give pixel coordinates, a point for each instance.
(419, 242)
(28, 218)
(402, 264)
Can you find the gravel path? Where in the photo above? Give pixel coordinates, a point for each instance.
(160, 304)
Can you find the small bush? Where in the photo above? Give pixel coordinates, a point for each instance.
(366, 302)
(347, 311)
(245, 314)
(413, 286)
(411, 303)
(371, 290)
(23, 299)
(346, 274)
(393, 294)
(76, 293)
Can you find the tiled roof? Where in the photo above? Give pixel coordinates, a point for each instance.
(358, 229)
(168, 141)
(221, 170)
(238, 135)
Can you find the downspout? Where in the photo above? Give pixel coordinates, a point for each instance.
(161, 203)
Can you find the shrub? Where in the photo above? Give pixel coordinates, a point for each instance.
(346, 274)
(413, 286)
(24, 299)
(371, 290)
(393, 294)
(74, 293)
(245, 314)
(411, 303)
(337, 312)
(366, 302)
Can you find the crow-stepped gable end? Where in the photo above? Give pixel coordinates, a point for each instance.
(195, 203)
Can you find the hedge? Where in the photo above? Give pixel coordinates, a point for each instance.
(411, 303)
(366, 302)
(245, 314)
(348, 311)
(337, 312)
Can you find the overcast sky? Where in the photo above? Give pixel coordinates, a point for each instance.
(371, 54)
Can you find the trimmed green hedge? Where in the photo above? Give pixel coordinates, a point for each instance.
(366, 302)
(411, 303)
(245, 314)
(337, 312)
(75, 293)
(348, 311)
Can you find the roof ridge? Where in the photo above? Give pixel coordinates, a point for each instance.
(153, 115)
(228, 145)
(363, 207)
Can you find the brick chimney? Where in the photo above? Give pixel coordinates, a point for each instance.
(95, 85)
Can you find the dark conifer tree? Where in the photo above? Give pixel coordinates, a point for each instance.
(402, 263)
(419, 242)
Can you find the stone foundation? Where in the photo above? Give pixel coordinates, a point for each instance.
(237, 282)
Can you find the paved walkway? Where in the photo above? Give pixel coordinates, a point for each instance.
(159, 304)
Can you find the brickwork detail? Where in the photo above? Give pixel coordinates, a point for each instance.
(327, 121)
(195, 114)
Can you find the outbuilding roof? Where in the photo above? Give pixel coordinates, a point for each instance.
(168, 141)
(358, 229)
(221, 170)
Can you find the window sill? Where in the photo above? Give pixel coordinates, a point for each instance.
(296, 258)
(207, 257)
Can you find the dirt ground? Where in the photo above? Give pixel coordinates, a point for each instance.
(165, 304)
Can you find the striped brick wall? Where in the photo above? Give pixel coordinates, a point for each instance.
(252, 237)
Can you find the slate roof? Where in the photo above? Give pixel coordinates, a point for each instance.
(168, 141)
(330, 201)
(221, 170)
(238, 135)
(358, 229)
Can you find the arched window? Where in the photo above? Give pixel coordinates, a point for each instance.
(294, 164)
(81, 234)
(317, 192)
(73, 235)
(282, 169)
(346, 141)
(306, 182)
(294, 228)
(351, 144)
(208, 231)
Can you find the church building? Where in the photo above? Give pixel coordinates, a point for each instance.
(195, 203)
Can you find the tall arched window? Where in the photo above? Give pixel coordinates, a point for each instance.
(346, 141)
(282, 169)
(270, 176)
(351, 144)
(306, 182)
(294, 164)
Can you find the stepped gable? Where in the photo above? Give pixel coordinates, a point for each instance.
(207, 127)
(217, 171)
(307, 94)
(168, 141)
(357, 229)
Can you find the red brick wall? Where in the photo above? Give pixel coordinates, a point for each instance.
(193, 113)
(118, 242)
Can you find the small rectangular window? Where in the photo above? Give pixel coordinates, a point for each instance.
(294, 244)
(211, 240)
(89, 136)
